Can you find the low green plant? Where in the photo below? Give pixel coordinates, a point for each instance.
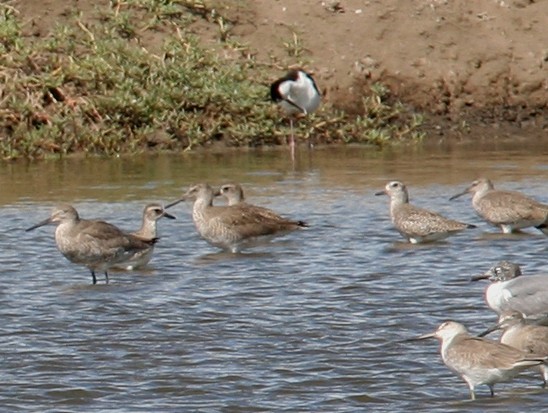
(90, 86)
(294, 46)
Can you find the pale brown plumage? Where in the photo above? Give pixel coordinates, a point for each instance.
(479, 360)
(235, 226)
(97, 245)
(233, 193)
(508, 210)
(524, 335)
(151, 214)
(416, 224)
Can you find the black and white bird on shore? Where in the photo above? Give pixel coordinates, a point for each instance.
(297, 95)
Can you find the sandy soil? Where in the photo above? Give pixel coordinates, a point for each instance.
(483, 62)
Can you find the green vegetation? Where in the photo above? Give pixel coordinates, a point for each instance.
(92, 86)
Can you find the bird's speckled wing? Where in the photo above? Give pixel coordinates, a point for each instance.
(421, 222)
(506, 207)
(251, 221)
(107, 241)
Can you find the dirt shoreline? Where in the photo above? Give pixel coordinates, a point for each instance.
(465, 64)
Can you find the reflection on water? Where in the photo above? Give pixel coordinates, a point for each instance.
(220, 256)
(315, 321)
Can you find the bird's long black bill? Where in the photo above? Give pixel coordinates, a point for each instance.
(489, 330)
(458, 195)
(174, 203)
(40, 224)
(168, 215)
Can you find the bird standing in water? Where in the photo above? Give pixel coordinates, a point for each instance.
(297, 95)
(151, 214)
(97, 245)
(528, 337)
(511, 211)
(416, 224)
(478, 360)
(233, 227)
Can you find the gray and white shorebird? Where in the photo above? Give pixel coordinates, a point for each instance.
(151, 214)
(297, 94)
(479, 360)
(509, 290)
(511, 211)
(97, 245)
(416, 224)
(233, 227)
(528, 337)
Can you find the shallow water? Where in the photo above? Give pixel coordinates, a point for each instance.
(314, 321)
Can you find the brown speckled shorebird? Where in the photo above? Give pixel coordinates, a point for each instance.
(236, 226)
(510, 291)
(525, 336)
(234, 194)
(97, 245)
(478, 360)
(151, 214)
(416, 224)
(509, 210)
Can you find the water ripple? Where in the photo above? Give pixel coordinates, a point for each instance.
(317, 321)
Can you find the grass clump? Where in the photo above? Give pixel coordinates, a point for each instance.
(91, 86)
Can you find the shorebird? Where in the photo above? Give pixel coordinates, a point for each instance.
(235, 196)
(297, 94)
(509, 210)
(233, 193)
(510, 291)
(151, 214)
(416, 224)
(97, 245)
(236, 226)
(478, 360)
(527, 337)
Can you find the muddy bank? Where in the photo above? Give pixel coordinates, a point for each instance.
(481, 63)
(476, 64)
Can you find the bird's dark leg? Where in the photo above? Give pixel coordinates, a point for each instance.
(106, 277)
(93, 276)
(492, 390)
